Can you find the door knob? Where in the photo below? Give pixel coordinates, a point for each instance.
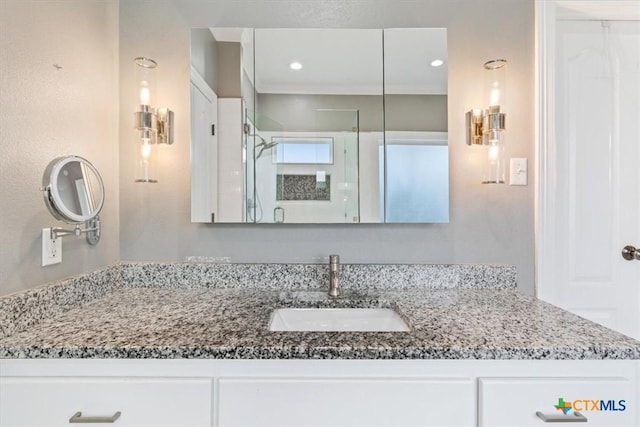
(630, 253)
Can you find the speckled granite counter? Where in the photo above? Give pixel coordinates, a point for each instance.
(232, 323)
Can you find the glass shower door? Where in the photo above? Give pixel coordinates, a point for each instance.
(342, 176)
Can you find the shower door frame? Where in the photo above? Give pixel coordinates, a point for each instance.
(545, 119)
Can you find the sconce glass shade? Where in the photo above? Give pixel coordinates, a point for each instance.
(495, 81)
(495, 165)
(145, 119)
(494, 122)
(145, 80)
(154, 124)
(146, 163)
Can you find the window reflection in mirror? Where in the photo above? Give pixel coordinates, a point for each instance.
(302, 150)
(414, 174)
(77, 186)
(272, 87)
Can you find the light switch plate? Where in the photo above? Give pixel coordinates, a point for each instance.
(51, 248)
(518, 171)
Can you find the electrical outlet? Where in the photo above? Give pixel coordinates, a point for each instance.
(51, 248)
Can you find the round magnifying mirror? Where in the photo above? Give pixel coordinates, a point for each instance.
(73, 189)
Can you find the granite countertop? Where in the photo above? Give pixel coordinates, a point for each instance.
(233, 323)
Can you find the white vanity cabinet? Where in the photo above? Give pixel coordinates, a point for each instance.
(59, 401)
(599, 401)
(335, 401)
(439, 393)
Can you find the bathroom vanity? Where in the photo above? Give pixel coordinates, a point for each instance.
(154, 344)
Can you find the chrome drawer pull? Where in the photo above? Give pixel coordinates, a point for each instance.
(78, 418)
(576, 417)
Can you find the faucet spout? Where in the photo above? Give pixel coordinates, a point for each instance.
(334, 279)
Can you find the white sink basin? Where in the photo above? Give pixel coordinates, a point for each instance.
(337, 319)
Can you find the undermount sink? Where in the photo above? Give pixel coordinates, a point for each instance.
(337, 319)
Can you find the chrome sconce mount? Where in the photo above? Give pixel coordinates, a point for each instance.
(155, 124)
(485, 125)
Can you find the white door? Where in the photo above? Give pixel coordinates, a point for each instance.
(204, 150)
(589, 163)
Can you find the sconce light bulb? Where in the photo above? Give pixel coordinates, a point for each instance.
(494, 96)
(145, 150)
(494, 152)
(145, 94)
(295, 66)
(437, 62)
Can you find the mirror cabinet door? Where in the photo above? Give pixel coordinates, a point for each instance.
(318, 100)
(416, 154)
(301, 126)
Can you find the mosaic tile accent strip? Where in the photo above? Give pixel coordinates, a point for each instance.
(24, 309)
(302, 187)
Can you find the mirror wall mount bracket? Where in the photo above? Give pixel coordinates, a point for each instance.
(92, 230)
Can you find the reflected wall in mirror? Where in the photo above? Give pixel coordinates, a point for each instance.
(299, 131)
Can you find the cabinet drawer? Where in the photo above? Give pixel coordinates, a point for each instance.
(345, 402)
(141, 401)
(514, 401)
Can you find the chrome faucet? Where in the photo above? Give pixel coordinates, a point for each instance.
(334, 280)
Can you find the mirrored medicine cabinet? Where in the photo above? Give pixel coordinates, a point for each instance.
(319, 125)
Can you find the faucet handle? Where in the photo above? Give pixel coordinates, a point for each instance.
(334, 281)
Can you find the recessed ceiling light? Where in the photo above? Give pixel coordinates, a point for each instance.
(295, 66)
(437, 62)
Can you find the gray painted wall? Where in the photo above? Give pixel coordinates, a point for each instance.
(46, 113)
(229, 70)
(204, 56)
(416, 112)
(402, 112)
(297, 112)
(217, 62)
(489, 224)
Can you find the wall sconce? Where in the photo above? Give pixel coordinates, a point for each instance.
(486, 127)
(154, 124)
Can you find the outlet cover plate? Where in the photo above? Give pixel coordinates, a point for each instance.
(51, 248)
(518, 171)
